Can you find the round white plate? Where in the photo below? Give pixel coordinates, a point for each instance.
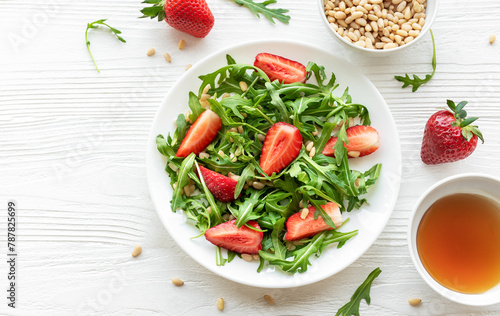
(370, 220)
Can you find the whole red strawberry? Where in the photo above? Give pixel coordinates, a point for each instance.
(190, 16)
(449, 136)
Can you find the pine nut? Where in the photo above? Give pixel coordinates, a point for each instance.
(209, 209)
(240, 129)
(301, 204)
(261, 137)
(205, 96)
(188, 67)
(309, 145)
(402, 33)
(406, 27)
(243, 86)
(416, 26)
(407, 13)
(177, 282)
(247, 257)
(413, 33)
(304, 212)
(414, 301)
(220, 304)
(360, 43)
(269, 299)
(375, 1)
(390, 45)
(221, 153)
(231, 217)
(136, 251)
(205, 90)
(312, 152)
(396, 2)
(409, 39)
(225, 95)
(492, 38)
(187, 191)
(258, 185)
(339, 15)
(182, 44)
(167, 57)
(361, 21)
(356, 15)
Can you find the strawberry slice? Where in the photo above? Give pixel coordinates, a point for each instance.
(281, 146)
(222, 187)
(363, 140)
(241, 240)
(298, 228)
(200, 134)
(281, 69)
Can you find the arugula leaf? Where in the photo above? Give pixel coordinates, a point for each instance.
(195, 106)
(416, 82)
(94, 25)
(362, 292)
(269, 13)
(163, 147)
(186, 167)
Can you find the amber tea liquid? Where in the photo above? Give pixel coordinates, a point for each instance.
(458, 241)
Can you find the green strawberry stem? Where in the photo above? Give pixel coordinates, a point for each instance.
(463, 122)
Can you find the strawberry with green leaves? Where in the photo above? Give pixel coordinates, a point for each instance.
(448, 135)
(189, 16)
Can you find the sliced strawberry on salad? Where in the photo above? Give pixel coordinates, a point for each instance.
(200, 134)
(281, 146)
(242, 240)
(363, 140)
(298, 227)
(279, 68)
(222, 187)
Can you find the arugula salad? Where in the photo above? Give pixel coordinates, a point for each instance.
(215, 160)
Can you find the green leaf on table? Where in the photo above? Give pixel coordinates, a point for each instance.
(262, 8)
(416, 82)
(94, 25)
(362, 292)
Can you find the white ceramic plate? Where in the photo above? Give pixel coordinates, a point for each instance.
(370, 220)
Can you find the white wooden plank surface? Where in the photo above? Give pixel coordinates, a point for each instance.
(72, 154)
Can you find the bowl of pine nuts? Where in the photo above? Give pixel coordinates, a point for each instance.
(378, 26)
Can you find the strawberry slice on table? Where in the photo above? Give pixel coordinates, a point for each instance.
(448, 135)
(222, 187)
(279, 68)
(200, 134)
(298, 227)
(189, 16)
(281, 146)
(242, 240)
(363, 140)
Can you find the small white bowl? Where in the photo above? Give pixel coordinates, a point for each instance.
(430, 12)
(466, 183)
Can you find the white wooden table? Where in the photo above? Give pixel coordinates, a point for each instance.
(72, 155)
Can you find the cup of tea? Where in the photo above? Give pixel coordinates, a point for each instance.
(454, 238)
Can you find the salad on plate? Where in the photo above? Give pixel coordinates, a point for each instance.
(260, 163)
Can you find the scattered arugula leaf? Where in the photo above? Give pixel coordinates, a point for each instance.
(269, 13)
(94, 25)
(362, 292)
(416, 82)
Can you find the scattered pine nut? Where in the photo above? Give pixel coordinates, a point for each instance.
(246, 257)
(225, 95)
(243, 86)
(205, 96)
(220, 304)
(225, 217)
(187, 191)
(136, 251)
(167, 57)
(353, 154)
(315, 133)
(414, 301)
(256, 257)
(240, 129)
(182, 44)
(204, 155)
(188, 67)
(493, 37)
(356, 183)
(261, 137)
(269, 299)
(174, 186)
(301, 204)
(151, 52)
(177, 282)
(221, 153)
(312, 152)
(309, 146)
(258, 185)
(205, 90)
(231, 217)
(209, 209)
(304, 212)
